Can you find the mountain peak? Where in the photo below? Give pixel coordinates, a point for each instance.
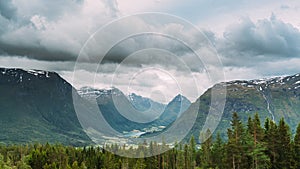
(35, 72)
(27, 77)
(91, 93)
(178, 95)
(39, 101)
(289, 82)
(180, 98)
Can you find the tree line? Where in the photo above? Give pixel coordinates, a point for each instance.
(251, 145)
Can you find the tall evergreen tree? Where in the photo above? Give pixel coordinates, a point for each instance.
(297, 147)
(218, 153)
(256, 147)
(235, 149)
(139, 164)
(206, 149)
(283, 146)
(192, 148)
(270, 138)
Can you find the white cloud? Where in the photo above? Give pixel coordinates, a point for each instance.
(136, 6)
(25, 63)
(43, 34)
(217, 15)
(55, 31)
(147, 81)
(249, 43)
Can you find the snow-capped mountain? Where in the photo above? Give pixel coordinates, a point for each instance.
(92, 94)
(272, 98)
(37, 105)
(291, 82)
(141, 104)
(114, 105)
(19, 75)
(144, 104)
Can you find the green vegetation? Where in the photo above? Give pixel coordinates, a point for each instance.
(278, 97)
(38, 110)
(249, 145)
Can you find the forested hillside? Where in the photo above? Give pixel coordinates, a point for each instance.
(250, 145)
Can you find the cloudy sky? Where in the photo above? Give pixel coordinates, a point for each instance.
(252, 40)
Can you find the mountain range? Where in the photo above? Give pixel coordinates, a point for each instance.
(38, 106)
(134, 112)
(142, 104)
(271, 98)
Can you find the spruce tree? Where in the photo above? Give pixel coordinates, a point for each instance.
(192, 148)
(235, 149)
(206, 149)
(218, 154)
(283, 146)
(297, 147)
(270, 138)
(255, 146)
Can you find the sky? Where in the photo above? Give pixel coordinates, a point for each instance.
(249, 39)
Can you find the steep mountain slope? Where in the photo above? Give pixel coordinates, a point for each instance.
(142, 104)
(37, 106)
(272, 98)
(134, 112)
(146, 105)
(173, 110)
(118, 111)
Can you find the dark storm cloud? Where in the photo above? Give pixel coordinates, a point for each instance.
(266, 40)
(48, 35)
(50, 30)
(35, 52)
(7, 9)
(60, 35)
(146, 41)
(45, 30)
(42, 34)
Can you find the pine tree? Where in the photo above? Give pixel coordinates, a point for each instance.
(235, 149)
(283, 146)
(206, 149)
(139, 164)
(192, 149)
(297, 147)
(255, 146)
(180, 157)
(218, 152)
(270, 139)
(109, 160)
